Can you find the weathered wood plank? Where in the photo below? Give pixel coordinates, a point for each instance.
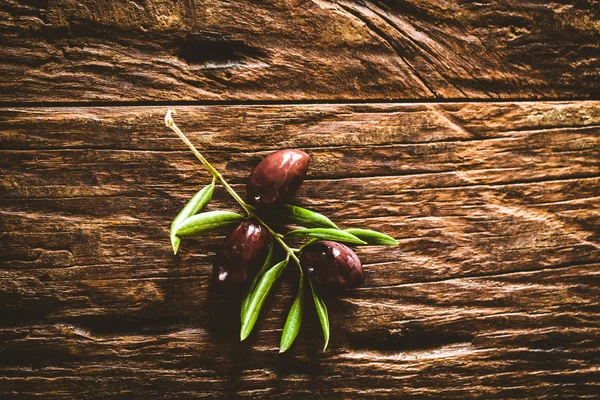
(457, 144)
(511, 336)
(301, 50)
(492, 292)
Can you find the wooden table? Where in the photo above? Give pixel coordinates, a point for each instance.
(470, 131)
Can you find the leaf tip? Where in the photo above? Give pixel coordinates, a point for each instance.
(390, 241)
(175, 241)
(244, 334)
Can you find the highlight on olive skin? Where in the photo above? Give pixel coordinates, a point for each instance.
(241, 254)
(248, 258)
(277, 177)
(332, 264)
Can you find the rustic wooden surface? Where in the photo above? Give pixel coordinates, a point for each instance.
(416, 116)
(124, 50)
(493, 292)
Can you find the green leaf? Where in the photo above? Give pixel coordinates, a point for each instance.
(322, 313)
(311, 241)
(266, 265)
(206, 222)
(294, 320)
(196, 203)
(373, 237)
(258, 297)
(302, 216)
(325, 233)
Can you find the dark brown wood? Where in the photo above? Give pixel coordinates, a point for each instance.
(493, 291)
(125, 50)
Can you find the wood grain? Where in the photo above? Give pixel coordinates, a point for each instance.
(78, 51)
(493, 291)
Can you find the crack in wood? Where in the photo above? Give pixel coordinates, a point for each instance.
(379, 33)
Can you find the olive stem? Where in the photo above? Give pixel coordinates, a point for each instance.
(250, 210)
(171, 124)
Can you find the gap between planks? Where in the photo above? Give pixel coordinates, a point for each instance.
(233, 103)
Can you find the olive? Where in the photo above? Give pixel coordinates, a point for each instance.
(277, 177)
(241, 254)
(332, 264)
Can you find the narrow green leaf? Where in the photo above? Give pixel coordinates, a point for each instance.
(206, 222)
(322, 313)
(373, 237)
(266, 265)
(196, 203)
(294, 319)
(325, 233)
(258, 297)
(311, 241)
(302, 216)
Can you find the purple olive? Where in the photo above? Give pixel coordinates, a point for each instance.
(241, 254)
(332, 264)
(277, 177)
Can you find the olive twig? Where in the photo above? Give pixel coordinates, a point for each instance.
(171, 124)
(250, 210)
(324, 260)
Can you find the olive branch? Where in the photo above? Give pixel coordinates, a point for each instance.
(191, 222)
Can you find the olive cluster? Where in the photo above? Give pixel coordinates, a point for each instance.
(244, 250)
(246, 256)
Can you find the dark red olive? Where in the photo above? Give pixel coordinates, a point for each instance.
(241, 254)
(277, 177)
(332, 264)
